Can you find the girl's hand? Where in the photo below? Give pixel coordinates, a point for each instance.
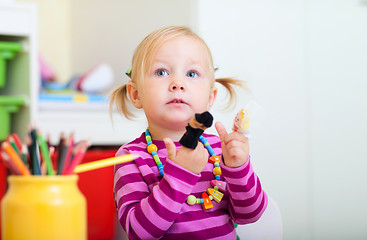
(235, 147)
(194, 160)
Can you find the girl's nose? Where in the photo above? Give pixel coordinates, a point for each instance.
(175, 86)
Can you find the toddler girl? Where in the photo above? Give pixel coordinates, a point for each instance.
(171, 191)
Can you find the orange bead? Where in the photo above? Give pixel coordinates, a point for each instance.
(214, 159)
(207, 202)
(217, 171)
(151, 148)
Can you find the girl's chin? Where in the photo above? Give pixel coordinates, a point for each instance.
(179, 116)
(178, 123)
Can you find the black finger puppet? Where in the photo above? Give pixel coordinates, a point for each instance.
(195, 128)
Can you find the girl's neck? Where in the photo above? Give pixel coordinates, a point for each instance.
(159, 133)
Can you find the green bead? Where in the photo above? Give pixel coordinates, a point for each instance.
(191, 200)
(156, 159)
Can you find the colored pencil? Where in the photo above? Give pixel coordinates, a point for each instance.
(36, 154)
(61, 153)
(28, 142)
(9, 164)
(79, 152)
(23, 156)
(69, 152)
(69, 156)
(104, 163)
(17, 141)
(13, 144)
(45, 154)
(17, 145)
(43, 168)
(51, 151)
(9, 150)
(68, 148)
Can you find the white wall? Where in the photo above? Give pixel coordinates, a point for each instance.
(337, 80)
(262, 43)
(305, 61)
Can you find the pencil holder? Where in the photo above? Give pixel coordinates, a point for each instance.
(43, 207)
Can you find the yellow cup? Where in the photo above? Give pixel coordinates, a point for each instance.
(43, 207)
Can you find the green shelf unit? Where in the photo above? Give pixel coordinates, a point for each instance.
(8, 105)
(7, 51)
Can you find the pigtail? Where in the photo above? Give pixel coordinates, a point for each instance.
(119, 97)
(229, 84)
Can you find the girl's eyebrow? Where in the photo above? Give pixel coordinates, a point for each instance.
(158, 64)
(158, 60)
(196, 65)
(190, 62)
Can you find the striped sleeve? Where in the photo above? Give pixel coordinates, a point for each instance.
(142, 209)
(247, 200)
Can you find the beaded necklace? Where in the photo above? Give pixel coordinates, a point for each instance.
(152, 149)
(217, 184)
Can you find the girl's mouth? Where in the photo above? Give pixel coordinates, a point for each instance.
(177, 101)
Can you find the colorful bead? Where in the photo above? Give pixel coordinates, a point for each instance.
(147, 133)
(214, 159)
(204, 141)
(220, 184)
(152, 148)
(207, 204)
(191, 200)
(217, 196)
(210, 191)
(205, 199)
(217, 171)
(156, 158)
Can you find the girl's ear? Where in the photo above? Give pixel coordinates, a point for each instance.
(132, 90)
(212, 97)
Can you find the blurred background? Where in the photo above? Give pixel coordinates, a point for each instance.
(305, 62)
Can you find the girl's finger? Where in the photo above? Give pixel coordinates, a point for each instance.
(171, 148)
(222, 132)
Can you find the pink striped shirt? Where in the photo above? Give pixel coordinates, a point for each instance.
(153, 207)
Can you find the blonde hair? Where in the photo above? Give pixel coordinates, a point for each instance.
(142, 61)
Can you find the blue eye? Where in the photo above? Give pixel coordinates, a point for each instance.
(161, 73)
(192, 74)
